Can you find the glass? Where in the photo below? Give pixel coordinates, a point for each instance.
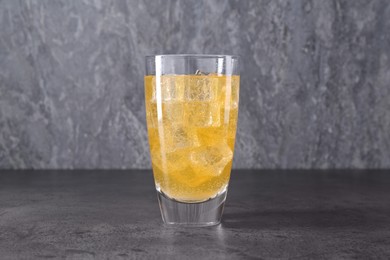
(191, 113)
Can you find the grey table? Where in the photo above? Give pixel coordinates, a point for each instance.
(269, 214)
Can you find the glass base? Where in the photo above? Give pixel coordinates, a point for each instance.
(207, 213)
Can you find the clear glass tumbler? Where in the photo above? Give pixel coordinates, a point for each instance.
(191, 112)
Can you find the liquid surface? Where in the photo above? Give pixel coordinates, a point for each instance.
(192, 123)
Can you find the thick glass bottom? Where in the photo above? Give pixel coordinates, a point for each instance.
(207, 213)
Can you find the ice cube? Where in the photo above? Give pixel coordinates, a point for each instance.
(211, 160)
(171, 161)
(172, 112)
(170, 88)
(176, 137)
(203, 114)
(201, 88)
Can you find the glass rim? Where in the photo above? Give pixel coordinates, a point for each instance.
(201, 56)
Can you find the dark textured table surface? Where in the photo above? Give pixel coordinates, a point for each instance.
(269, 214)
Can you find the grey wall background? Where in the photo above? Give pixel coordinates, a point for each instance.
(314, 90)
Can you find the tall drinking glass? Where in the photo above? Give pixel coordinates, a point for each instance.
(191, 112)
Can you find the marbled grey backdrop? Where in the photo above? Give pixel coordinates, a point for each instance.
(315, 79)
